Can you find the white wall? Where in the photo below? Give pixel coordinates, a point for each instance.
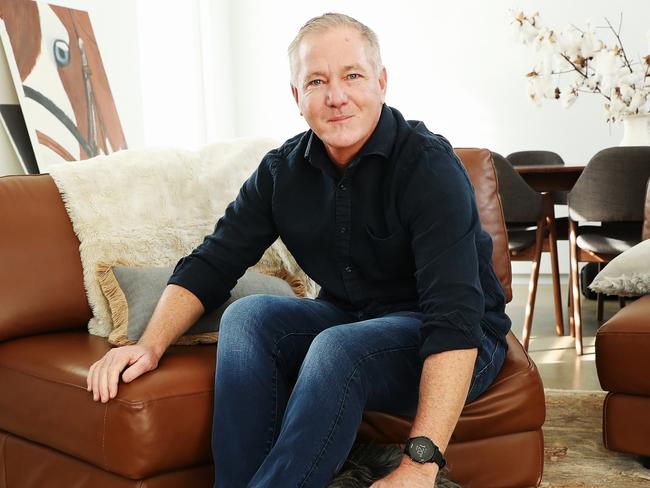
(454, 65)
(187, 72)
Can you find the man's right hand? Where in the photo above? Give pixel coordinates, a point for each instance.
(104, 375)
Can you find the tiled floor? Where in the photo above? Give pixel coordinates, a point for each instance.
(555, 356)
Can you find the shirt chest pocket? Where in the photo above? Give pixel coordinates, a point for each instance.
(390, 255)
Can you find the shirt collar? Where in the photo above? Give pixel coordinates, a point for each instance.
(380, 143)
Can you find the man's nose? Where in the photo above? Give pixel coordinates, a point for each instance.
(336, 94)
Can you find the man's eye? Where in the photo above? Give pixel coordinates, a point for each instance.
(354, 76)
(315, 82)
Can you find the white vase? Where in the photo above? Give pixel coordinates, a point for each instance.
(636, 130)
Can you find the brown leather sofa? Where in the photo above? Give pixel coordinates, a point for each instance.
(623, 364)
(156, 433)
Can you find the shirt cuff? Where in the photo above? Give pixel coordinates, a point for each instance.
(200, 278)
(449, 333)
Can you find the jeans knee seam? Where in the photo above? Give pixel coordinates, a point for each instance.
(276, 353)
(339, 414)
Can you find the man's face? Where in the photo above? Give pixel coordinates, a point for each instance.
(338, 90)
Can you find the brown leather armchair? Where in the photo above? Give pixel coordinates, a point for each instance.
(623, 363)
(156, 432)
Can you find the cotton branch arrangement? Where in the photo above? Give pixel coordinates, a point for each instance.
(583, 63)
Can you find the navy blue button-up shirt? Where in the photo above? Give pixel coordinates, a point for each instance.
(397, 230)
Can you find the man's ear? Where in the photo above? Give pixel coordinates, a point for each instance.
(383, 81)
(296, 97)
(294, 92)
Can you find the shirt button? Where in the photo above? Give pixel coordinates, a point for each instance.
(342, 230)
(342, 187)
(348, 269)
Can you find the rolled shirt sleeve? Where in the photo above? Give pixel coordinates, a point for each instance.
(444, 226)
(238, 241)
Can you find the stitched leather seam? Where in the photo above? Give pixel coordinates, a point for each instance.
(605, 408)
(119, 400)
(105, 464)
(3, 468)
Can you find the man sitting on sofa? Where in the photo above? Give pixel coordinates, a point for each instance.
(410, 318)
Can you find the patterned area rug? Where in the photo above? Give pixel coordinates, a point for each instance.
(574, 455)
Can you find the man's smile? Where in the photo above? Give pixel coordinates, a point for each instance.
(339, 118)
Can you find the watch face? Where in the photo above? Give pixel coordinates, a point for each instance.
(421, 449)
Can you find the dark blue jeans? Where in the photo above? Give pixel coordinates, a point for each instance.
(294, 377)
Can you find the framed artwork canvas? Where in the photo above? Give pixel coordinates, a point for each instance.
(68, 108)
(15, 146)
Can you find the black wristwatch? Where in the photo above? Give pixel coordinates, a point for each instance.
(422, 450)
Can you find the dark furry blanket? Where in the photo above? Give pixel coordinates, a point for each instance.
(370, 462)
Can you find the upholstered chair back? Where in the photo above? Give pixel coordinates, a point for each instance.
(535, 158)
(612, 187)
(520, 202)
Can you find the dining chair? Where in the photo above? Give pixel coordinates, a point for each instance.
(544, 158)
(535, 158)
(531, 230)
(606, 211)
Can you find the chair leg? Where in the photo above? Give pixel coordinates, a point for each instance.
(600, 299)
(532, 286)
(568, 295)
(555, 273)
(575, 290)
(572, 329)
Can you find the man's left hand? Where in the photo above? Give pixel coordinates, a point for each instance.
(410, 475)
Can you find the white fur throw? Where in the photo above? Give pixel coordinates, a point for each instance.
(154, 206)
(628, 274)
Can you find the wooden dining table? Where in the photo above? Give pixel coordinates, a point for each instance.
(550, 178)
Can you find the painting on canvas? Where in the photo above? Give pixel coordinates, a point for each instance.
(16, 154)
(60, 81)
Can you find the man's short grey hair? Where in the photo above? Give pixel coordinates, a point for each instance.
(328, 21)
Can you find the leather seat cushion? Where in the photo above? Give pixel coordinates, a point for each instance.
(158, 423)
(623, 350)
(162, 421)
(514, 403)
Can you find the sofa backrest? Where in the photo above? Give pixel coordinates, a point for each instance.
(41, 284)
(480, 168)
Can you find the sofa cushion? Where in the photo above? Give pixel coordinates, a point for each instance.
(514, 403)
(626, 423)
(41, 287)
(31, 465)
(133, 292)
(162, 421)
(623, 350)
(158, 423)
(628, 274)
